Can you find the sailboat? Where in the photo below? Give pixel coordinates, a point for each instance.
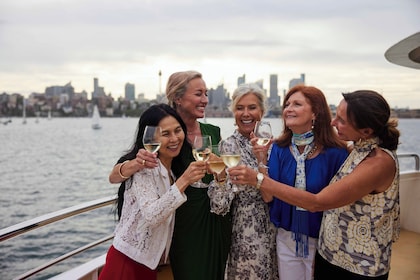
(96, 118)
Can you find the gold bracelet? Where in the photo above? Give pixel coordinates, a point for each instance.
(119, 170)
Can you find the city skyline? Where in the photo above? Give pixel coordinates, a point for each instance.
(340, 46)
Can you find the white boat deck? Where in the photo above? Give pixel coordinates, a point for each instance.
(405, 259)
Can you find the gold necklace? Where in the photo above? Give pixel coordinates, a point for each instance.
(312, 151)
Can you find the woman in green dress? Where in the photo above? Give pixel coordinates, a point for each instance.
(201, 239)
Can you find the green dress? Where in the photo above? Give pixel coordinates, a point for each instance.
(201, 240)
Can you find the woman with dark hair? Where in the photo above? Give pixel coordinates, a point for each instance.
(201, 239)
(361, 203)
(148, 199)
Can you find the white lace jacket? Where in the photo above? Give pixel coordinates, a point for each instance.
(147, 221)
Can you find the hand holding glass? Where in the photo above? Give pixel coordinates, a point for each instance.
(151, 138)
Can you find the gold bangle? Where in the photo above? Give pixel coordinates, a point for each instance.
(119, 170)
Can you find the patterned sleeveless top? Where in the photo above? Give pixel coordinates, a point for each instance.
(358, 237)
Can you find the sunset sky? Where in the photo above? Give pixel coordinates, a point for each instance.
(339, 45)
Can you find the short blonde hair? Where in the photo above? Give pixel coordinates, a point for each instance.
(177, 85)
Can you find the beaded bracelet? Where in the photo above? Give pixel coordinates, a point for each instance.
(119, 170)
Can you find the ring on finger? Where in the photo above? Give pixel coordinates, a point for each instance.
(143, 162)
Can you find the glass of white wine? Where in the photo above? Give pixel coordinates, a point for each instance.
(151, 138)
(263, 132)
(216, 164)
(202, 147)
(230, 154)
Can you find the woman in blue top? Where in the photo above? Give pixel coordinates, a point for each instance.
(307, 155)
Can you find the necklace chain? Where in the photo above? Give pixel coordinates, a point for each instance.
(312, 151)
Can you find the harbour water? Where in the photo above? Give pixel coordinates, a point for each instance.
(58, 163)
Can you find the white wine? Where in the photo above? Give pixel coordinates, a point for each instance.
(152, 147)
(217, 166)
(231, 160)
(202, 155)
(263, 141)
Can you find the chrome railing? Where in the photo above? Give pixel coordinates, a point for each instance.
(49, 218)
(415, 157)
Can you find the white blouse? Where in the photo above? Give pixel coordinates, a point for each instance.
(145, 229)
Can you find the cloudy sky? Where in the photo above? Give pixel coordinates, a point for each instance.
(339, 45)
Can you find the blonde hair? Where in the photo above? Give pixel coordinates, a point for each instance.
(177, 85)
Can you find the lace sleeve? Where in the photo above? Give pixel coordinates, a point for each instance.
(153, 198)
(221, 196)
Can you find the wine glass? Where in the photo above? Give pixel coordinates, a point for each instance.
(151, 138)
(202, 147)
(263, 132)
(230, 154)
(216, 164)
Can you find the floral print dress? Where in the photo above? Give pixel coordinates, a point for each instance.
(253, 250)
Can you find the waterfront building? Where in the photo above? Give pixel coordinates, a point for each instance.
(274, 98)
(129, 91)
(241, 80)
(297, 81)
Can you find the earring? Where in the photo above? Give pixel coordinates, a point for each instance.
(313, 124)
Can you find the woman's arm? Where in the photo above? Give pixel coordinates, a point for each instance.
(124, 170)
(372, 175)
(157, 206)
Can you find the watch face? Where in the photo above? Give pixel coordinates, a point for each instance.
(260, 176)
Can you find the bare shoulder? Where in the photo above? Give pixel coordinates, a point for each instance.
(381, 166)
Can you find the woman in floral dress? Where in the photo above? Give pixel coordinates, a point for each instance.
(253, 250)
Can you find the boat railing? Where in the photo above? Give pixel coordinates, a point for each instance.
(41, 221)
(53, 217)
(415, 157)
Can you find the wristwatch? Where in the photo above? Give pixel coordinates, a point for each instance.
(260, 178)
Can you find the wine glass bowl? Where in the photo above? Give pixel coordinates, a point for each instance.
(151, 138)
(264, 134)
(216, 164)
(230, 152)
(202, 148)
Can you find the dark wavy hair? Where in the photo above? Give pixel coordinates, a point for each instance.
(369, 109)
(324, 133)
(152, 116)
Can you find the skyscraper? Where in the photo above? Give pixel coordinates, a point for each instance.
(297, 81)
(241, 80)
(97, 90)
(130, 91)
(274, 98)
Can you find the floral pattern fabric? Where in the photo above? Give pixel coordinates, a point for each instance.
(358, 237)
(253, 250)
